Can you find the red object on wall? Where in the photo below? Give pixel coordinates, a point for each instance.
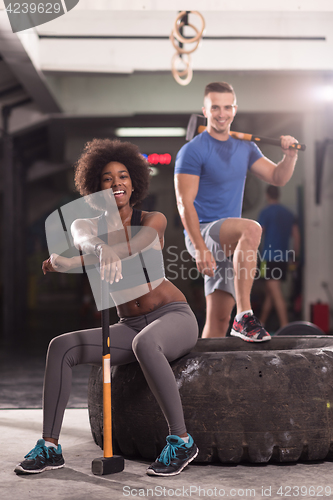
(155, 158)
(320, 316)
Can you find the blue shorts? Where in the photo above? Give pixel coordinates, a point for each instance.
(223, 278)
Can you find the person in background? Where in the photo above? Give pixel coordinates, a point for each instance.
(210, 174)
(279, 225)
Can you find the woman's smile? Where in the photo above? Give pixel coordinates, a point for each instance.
(115, 176)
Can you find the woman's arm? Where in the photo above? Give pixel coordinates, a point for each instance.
(151, 234)
(156, 223)
(85, 237)
(84, 232)
(58, 264)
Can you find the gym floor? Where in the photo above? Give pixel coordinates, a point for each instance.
(20, 428)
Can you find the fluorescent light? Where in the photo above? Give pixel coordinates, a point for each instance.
(324, 93)
(150, 132)
(328, 93)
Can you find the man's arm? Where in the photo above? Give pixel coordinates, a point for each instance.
(277, 174)
(186, 187)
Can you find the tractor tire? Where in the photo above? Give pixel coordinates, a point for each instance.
(242, 401)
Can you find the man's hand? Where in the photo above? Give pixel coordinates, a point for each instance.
(110, 264)
(56, 264)
(205, 262)
(286, 141)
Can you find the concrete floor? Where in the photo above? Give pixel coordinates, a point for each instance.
(20, 428)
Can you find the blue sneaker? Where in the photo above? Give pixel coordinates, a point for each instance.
(174, 457)
(41, 458)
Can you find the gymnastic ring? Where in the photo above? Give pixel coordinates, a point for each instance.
(183, 81)
(178, 74)
(179, 49)
(179, 37)
(173, 62)
(188, 62)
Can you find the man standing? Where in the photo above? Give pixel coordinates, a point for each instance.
(210, 175)
(279, 226)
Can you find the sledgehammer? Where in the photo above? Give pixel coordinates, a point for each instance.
(197, 124)
(109, 463)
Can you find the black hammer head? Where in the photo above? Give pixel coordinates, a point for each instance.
(103, 466)
(193, 126)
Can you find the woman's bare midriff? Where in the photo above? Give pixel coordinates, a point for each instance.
(163, 294)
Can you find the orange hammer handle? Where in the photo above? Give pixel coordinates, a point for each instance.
(107, 418)
(265, 140)
(240, 135)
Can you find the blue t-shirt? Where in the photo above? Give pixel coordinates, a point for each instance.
(277, 222)
(222, 167)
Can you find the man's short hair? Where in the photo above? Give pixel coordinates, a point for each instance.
(273, 192)
(221, 87)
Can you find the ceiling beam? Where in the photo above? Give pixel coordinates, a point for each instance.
(208, 5)
(17, 59)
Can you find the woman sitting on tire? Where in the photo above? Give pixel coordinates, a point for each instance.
(156, 327)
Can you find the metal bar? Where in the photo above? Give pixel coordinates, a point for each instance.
(164, 37)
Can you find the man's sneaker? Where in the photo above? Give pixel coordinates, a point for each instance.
(174, 457)
(250, 329)
(41, 458)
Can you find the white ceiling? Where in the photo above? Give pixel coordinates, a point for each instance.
(87, 38)
(123, 37)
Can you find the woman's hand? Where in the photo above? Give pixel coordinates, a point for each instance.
(56, 264)
(110, 264)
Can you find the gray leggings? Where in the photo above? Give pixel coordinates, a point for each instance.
(153, 339)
